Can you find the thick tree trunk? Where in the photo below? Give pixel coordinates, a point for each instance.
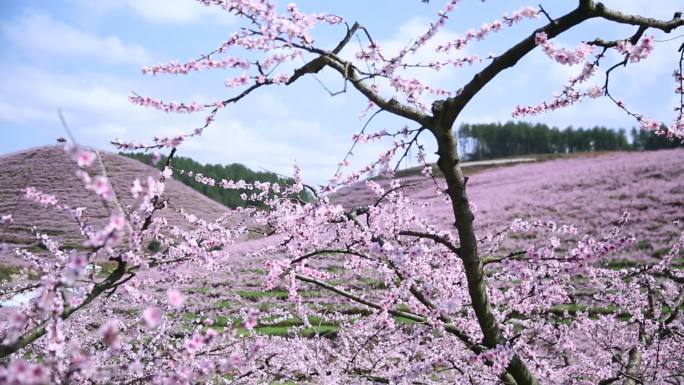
(449, 165)
(633, 367)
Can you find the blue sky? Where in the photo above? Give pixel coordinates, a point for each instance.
(84, 56)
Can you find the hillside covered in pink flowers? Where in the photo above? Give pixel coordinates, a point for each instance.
(590, 192)
(50, 170)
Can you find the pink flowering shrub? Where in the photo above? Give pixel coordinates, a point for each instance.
(373, 293)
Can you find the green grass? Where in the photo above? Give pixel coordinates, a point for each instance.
(620, 263)
(256, 295)
(6, 272)
(328, 331)
(282, 328)
(223, 304)
(372, 283)
(106, 268)
(644, 245)
(200, 290)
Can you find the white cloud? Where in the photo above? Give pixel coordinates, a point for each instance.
(269, 104)
(229, 140)
(164, 11)
(179, 11)
(15, 113)
(47, 91)
(97, 111)
(95, 106)
(41, 34)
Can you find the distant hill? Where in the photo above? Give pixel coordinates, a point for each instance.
(234, 171)
(50, 170)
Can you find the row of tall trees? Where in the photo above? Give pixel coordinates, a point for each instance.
(234, 171)
(496, 140)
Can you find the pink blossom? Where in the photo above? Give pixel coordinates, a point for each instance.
(20, 372)
(561, 55)
(251, 319)
(110, 334)
(175, 298)
(152, 317)
(85, 158)
(39, 197)
(166, 106)
(637, 52)
(78, 263)
(101, 187)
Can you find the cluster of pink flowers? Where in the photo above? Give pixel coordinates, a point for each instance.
(442, 17)
(497, 358)
(175, 298)
(170, 142)
(648, 124)
(677, 127)
(167, 141)
(42, 198)
(159, 142)
(388, 66)
(495, 26)
(163, 106)
(251, 318)
(152, 317)
(562, 55)
(412, 88)
(21, 372)
(109, 332)
(361, 138)
(109, 235)
(637, 52)
(262, 189)
(568, 98)
(241, 80)
(82, 156)
(175, 68)
(588, 71)
(372, 53)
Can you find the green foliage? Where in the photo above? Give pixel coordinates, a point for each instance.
(497, 140)
(6, 272)
(234, 171)
(154, 246)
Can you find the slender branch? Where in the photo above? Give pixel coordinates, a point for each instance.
(438, 239)
(38, 331)
(350, 72)
(408, 147)
(509, 256)
(396, 313)
(328, 251)
(667, 26)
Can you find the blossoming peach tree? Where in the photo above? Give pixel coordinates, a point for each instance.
(452, 307)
